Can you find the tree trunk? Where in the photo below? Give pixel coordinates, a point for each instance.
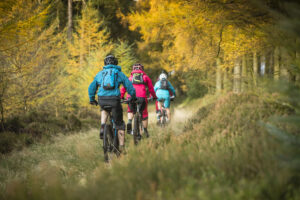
(284, 74)
(2, 114)
(270, 64)
(81, 56)
(237, 76)
(262, 68)
(82, 37)
(255, 68)
(218, 76)
(226, 83)
(297, 59)
(56, 107)
(276, 63)
(69, 31)
(244, 74)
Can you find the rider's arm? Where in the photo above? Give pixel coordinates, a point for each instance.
(156, 87)
(150, 86)
(123, 91)
(93, 89)
(172, 88)
(127, 84)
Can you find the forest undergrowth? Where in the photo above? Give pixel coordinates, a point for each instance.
(222, 151)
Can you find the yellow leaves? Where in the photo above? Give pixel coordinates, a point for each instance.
(18, 20)
(87, 51)
(87, 38)
(193, 33)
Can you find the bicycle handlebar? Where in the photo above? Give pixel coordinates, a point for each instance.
(95, 103)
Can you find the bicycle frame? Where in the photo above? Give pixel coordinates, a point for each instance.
(163, 112)
(110, 138)
(138, 124)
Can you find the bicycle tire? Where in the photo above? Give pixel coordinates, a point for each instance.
(141, 124)
(136, 129)
(107, 141)
(163, 120)
(116, 142)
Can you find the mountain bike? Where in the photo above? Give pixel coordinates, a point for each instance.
(110, 137)
(163, 117)
(137, 120)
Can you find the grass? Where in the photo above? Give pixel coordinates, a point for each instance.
(39, 127)
(227, 154)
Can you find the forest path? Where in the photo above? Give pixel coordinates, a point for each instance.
(75, 157)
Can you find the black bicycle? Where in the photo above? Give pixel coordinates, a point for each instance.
(163, 116)
(137, 120)
(110, 136)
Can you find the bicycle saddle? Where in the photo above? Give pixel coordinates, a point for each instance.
(107, 107)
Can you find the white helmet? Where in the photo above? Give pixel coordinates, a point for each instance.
(162, 76)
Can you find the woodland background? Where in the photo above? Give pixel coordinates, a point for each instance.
(50, 51)
(235, 125)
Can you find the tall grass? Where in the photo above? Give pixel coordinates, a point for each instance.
(37, 127)
(226, 154)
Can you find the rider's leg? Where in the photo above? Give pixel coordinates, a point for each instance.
(121, 134)
(157, 110)
(117, 113)
(129, 123)
(145, 118)
(145, 125)
(159, 106)
(131, 110)
(167, 106)
(168, 113)
(104, 116)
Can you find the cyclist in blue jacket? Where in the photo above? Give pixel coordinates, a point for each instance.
(162, 88)
(108, 81)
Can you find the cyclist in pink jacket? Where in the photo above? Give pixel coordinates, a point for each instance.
(140, 81)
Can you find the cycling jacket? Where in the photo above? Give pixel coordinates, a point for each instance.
(163, 93)
(140, 89)
(110, 94)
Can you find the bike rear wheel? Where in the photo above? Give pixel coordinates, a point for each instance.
(107, 141)
(116, 142)
(163, 118)
(136, 129)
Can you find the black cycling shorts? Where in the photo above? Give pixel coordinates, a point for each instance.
(114, 106)
(141, 103)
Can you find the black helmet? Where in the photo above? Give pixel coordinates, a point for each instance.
(110, 60)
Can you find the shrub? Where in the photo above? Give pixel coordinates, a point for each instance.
(7, 142)
(196, 89)
(73, 122)
(10, 141)
(14, 124)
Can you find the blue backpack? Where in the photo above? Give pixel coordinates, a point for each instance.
(109, 79)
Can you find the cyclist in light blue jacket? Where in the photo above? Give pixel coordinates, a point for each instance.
(161, 88)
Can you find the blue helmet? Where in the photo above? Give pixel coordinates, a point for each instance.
(110, 60)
